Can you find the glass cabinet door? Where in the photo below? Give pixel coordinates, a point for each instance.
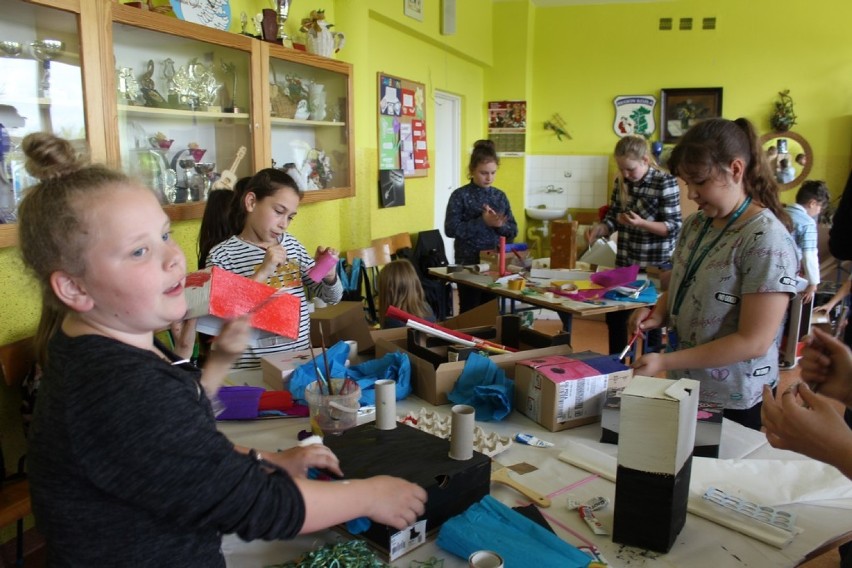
(183, 106)
(41, 89)
(310, 124)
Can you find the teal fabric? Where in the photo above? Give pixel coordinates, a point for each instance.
(646, 296)
(484, 386)
(491, 525)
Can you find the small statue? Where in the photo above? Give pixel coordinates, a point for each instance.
(149, 91)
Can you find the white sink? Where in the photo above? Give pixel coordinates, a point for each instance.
(548, 214)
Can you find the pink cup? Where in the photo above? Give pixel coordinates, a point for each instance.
(322, 266)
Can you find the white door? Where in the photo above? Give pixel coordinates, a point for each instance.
(447, 166)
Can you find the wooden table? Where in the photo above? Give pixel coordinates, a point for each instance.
(565, 308)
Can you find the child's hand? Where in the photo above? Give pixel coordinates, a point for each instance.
(827, 365)
(808, 293)
(331, 277)
(397, 502)
(491, 217)
(233, 338)
(649, 365)
(183, 335)
(824, 308)
(630, 219)
(596, 231)
(643, 319)
(296, 461)
(275, 256)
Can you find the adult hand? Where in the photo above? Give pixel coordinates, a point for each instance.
(296, 461)
(649, 365)
(824, 308)
(398, 502)
(827, 365)
(816, 429)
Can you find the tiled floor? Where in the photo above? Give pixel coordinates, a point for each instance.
(592, 335)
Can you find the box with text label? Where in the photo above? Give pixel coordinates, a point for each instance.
(559, 392)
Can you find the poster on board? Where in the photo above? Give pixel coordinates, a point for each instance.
(507, 127)
(402, 126)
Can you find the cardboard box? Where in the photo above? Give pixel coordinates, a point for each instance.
(277, 367)
(214, 295)
(433, 383)
(341, 322)
(559, 392)
(708, 428)
(422, 458)
(618, 375)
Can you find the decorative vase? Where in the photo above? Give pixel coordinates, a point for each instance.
(317, 101)
(269, 25)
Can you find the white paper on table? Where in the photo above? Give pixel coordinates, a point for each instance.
(791, 482)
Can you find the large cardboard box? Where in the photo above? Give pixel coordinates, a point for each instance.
(277, 367)
(432, 381)
(341, 322)
(559, 392)
(214, 295)
(618, 375)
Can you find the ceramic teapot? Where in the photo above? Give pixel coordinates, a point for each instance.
(325, 42)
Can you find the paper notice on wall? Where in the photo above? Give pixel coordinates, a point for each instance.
(408, 103)
(406, 148)
(388, 155)
(421, 154)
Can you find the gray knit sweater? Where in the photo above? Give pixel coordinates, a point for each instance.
(127, 467)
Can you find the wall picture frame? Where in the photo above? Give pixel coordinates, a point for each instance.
(413, 9)
(682, 108)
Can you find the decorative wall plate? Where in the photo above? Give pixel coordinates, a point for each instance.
(210, 13)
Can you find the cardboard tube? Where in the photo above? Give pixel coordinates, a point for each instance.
(385, 404)
(485, 559)
(461, 432)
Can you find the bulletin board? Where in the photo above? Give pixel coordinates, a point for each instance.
(402, 126)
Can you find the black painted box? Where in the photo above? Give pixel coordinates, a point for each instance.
(419, 457)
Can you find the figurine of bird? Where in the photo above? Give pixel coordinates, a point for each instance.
(302, 111)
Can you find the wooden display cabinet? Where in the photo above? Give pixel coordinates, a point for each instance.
(110, 51)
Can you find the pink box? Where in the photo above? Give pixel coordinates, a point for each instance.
(559, 392)
(214, 295)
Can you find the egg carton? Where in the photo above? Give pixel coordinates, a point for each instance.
(436, 424)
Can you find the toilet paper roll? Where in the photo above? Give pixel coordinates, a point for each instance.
(353, 349)
(385, 404)
(485, 559)
(485, 267)
(461, 432)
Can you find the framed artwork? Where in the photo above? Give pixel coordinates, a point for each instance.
(414, 9)
(391, 188)
(681, 108)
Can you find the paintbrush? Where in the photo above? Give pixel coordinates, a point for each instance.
(325, 360)
(320, 378)
(633, 339)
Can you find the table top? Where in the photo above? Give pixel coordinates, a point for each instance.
(701, 543)
(558, 303)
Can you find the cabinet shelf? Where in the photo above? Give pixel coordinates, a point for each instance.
(309, 123)
(185, 114)
(106, 42)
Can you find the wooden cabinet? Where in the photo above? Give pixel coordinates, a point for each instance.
(168, 101)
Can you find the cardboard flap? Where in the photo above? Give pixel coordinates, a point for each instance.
(682, 389)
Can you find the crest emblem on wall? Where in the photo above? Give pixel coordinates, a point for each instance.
(634, 114)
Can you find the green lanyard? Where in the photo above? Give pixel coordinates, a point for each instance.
(692, 267)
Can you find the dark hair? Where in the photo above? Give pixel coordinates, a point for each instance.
(708, 147)
(214, 223)
(264, 183)
(813, 189)
(52, 222)
(483, 151)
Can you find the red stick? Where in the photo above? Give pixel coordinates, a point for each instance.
(396, 313)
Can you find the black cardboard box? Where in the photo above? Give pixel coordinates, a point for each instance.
(422, 458)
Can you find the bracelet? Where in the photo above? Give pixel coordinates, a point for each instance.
(255, 455)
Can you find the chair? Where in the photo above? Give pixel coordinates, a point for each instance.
(395, 243)
(16, 360)
(372, 259)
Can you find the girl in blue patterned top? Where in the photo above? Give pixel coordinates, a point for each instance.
(477, 216)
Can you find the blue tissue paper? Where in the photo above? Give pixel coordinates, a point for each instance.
(484, 386)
